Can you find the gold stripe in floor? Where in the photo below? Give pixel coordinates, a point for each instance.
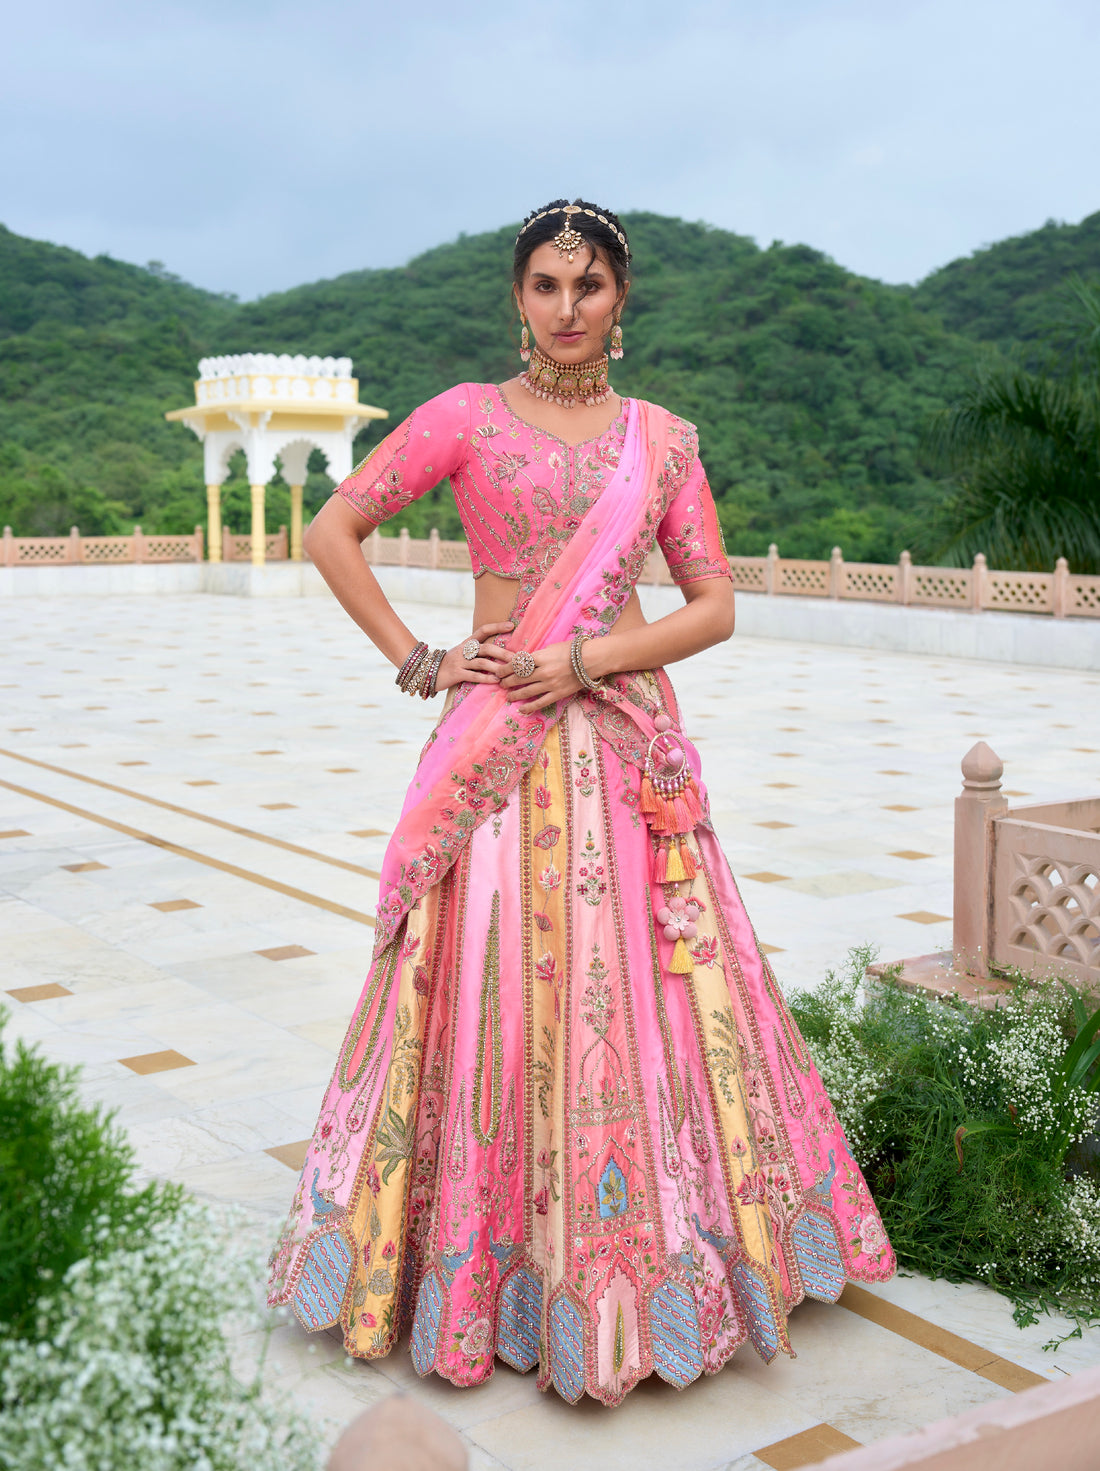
(806, 1448)
(229, 827)
(231, 868)
(938, 1340)
(857, 1300)
(819, 1442)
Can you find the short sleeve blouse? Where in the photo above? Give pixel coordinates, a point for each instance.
(518, 488)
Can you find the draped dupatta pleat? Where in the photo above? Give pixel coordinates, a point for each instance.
(479, 754)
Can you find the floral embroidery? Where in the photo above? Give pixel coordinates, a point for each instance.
(705, 951)
(599, 1010)
(583, 782)
(592, 886)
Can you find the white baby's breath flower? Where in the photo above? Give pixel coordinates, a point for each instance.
(132, 1365)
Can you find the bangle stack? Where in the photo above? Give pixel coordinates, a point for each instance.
(577, 661)
(418, 674)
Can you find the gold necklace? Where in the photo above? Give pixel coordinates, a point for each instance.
(567, 384)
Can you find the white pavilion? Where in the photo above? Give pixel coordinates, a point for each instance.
(272, 406)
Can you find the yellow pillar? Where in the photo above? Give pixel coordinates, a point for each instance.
(259, 528)
(295, 523)
(214, 523)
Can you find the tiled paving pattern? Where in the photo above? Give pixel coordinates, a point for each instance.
(162, 844)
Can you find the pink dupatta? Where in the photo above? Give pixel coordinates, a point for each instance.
(479, 754)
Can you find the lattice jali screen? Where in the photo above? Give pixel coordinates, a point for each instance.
(748, 573)
(1084, 597)
(869, 581)
(940, 587)
(386, 551)
(33, 550)
(107, 548)
(170, 549)
(1022, 592)
(802, 579)
(1046, 900)
(455, 556)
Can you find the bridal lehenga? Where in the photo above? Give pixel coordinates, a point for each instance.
(572, 1124)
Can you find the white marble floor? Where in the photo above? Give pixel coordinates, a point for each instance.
(194, 796)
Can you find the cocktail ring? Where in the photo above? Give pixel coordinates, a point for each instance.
(471, 649)
(523, 665)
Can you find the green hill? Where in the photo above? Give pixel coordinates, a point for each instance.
(1012, 293)
(810, 386)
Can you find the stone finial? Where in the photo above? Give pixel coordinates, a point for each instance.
(1060, 589)
(399, 1434)
(982, 767)
(836, 572)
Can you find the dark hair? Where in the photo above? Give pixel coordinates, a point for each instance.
(600, 229)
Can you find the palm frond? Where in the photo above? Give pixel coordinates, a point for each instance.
(1023, 450)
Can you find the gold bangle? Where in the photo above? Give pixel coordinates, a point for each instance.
(405, 673)
(576, 660)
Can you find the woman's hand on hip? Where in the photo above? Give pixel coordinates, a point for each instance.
(486, 667)
(552, 680)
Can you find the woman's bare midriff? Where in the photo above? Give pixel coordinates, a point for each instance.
(494, 598)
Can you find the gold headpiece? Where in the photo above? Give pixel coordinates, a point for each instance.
(569, 240)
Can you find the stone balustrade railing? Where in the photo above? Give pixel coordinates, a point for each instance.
(239, 548)
(1060, 593)
(77, 550)
(232, 365)
(239, 377)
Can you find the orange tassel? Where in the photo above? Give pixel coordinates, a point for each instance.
(660, 864)
(681, 963)
(681, 815)
(690, 799)
(647, 800)
(687, 857)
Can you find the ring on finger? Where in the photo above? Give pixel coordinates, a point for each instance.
(523, 665)
(471, 649)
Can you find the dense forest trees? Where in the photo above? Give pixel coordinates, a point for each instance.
(812, 387)
(1013, 293)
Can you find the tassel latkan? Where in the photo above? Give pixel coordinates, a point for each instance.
(681, 963)
(674, 867)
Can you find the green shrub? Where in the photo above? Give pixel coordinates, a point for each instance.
(129, 1366)
(66, 1182)
(971, 1126)
(114, 1303)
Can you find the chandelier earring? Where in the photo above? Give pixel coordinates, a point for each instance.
(524, 341)
(616, 341)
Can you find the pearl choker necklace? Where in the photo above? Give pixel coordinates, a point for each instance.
(581, 383)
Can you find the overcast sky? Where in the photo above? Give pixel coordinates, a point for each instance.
(252, 147)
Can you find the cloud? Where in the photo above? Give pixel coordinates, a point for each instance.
(252, 147)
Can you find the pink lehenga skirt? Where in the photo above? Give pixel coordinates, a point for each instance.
(541, 1144)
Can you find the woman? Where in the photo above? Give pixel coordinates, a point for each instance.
(572, 1123)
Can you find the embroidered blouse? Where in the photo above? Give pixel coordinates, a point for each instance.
(520, 490)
